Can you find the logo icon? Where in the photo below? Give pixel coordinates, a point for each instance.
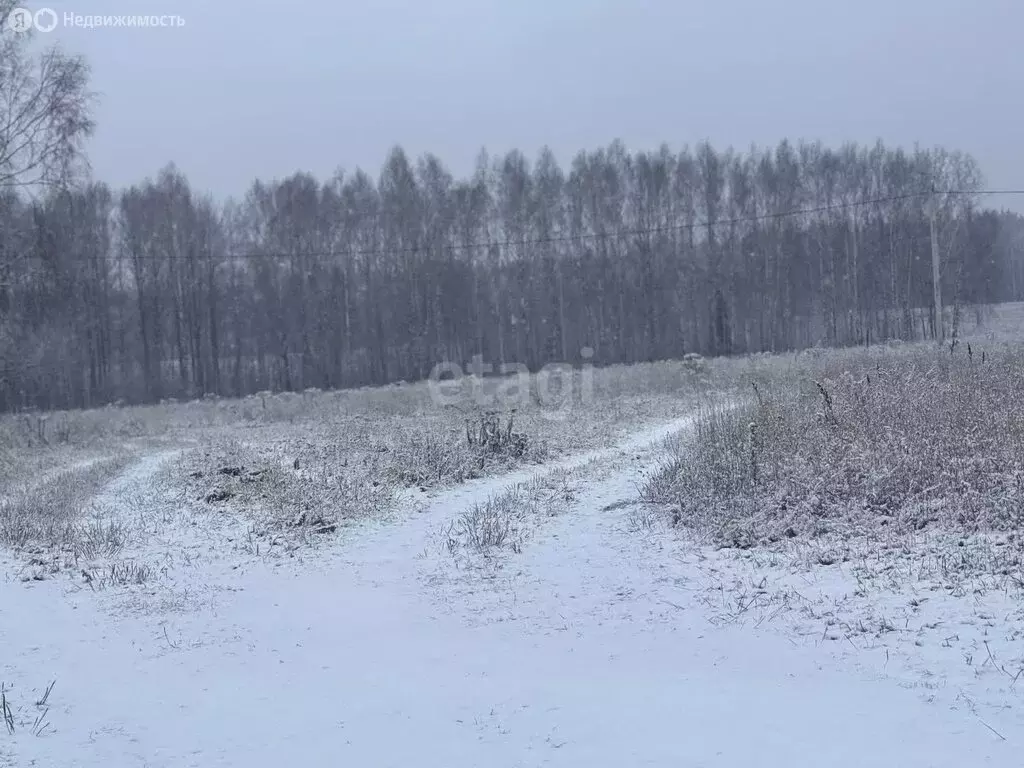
(20, 20)
(45, 19)
(23, 20)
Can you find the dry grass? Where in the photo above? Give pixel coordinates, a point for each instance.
(612, 397)
(122, 573)
(52, 514)
(327, 457)
(496, 523)
(322, 458)
(889, 444)
(283, 488)
(32, 719)
(780, 467)
(508, 518)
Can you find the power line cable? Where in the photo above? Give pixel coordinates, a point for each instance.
(633, 232)
(586, 236)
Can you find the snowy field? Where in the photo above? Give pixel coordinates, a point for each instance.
(199, 604)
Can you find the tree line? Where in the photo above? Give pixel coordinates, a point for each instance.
(156, 291)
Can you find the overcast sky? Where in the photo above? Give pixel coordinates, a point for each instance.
(253, 88)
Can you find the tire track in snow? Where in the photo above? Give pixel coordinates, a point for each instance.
(583, 664)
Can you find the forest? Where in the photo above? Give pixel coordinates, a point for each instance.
(161, 291)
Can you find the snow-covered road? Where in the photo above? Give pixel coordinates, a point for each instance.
(587, 649)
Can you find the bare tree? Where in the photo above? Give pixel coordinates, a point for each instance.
(45, 117)
(45, 110)
(155, 292)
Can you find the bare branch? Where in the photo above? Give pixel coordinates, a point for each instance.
(45, 111)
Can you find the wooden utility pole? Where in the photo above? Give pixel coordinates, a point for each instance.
(858, 317)
(940, 329)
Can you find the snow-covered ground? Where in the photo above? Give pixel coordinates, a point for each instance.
(603, 643)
